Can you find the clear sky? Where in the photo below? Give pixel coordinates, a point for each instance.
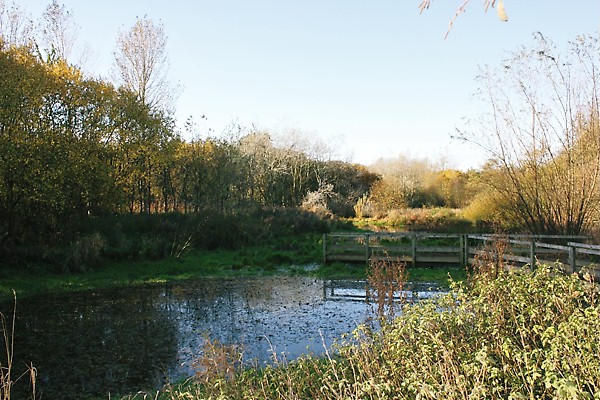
(376, 77)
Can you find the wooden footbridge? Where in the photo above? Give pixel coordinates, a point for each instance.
(571, 253)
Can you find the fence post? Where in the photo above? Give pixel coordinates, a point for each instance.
(464, 256)
(466, 250)
(461, 244)
(367, 249)
(414, 250)
(572, 258)
(532, 254)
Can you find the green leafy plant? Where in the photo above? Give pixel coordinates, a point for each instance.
(509, 335)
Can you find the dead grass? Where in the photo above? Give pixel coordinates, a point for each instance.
(6, 369)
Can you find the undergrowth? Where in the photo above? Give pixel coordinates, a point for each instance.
(499, 335)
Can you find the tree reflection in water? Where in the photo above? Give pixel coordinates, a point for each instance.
(121, 341)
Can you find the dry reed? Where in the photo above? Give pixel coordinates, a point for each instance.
(6, 370)
(385, 291)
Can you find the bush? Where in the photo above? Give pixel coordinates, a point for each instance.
(85, 253)
(516, 336)
(499, 338)
(155, 236)
(428, 219)
(281, 221)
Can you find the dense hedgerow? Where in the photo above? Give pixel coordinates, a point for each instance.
(140, 236)
(511, 336)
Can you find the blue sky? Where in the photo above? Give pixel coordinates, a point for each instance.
(375, 78)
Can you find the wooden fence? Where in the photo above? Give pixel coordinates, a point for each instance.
(571, 253)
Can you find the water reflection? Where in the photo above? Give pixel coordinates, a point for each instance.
(121, 341)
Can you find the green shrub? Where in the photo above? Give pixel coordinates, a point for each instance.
(85, 253)
(142, 236)
(516, 336)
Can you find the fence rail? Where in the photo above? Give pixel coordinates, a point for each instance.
(568, 252)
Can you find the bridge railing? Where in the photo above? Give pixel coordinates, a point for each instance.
(408, 247)
(418, 248)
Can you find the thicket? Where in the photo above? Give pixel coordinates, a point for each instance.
(137, 237)
(415, 195)
(88, 170)
(541, 133)
(500, 335)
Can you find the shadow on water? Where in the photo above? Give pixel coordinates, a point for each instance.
(122, 341)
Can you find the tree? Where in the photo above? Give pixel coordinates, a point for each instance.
(350, 183)
(142, 65)
(267, 173)
(55, 145)
(402, 182)
(542, 134)
(58, 32)
(16, 29)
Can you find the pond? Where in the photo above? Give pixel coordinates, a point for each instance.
(96, 343)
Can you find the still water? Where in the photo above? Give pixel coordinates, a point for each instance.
(97, 343)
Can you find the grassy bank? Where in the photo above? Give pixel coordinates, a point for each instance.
(299, 255)
(145, 248)
(506, 336)
(286, 256)
(139, 248)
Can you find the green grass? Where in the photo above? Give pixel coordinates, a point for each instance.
(283, 256)
(341, 271)
(437, 275)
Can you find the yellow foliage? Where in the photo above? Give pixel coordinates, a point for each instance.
(484, 207)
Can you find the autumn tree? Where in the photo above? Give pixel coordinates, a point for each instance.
(54, 126)
(402, 182)
(349, 183)
(449, 188)
(16, 28)
(58, 32)
(142, 65)
(543, 137)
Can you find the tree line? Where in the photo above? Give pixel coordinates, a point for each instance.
(75, 149)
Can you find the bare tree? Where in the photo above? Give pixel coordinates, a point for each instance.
(402, 181)
(142, 64)
(58, 31)
(543, 137)
(16, 29)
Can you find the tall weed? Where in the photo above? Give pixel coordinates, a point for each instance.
(511, 335)
(386, 280)
(217, 362)
(7, 379)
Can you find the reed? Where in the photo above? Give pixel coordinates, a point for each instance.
(6, 368)
(217, 361)
(386, 281)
